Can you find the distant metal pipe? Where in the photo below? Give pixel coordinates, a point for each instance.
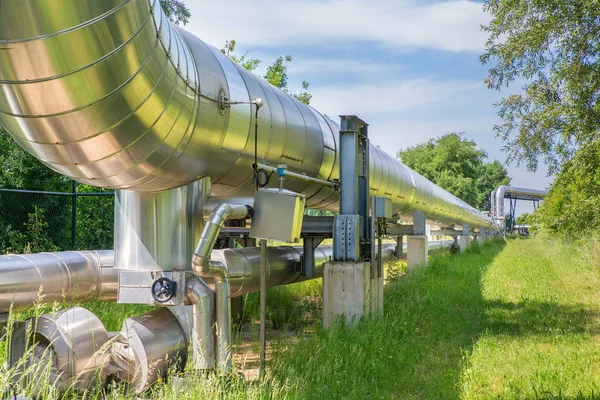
(503, 191)
(69, 277)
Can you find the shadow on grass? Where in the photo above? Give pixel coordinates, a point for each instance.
(433, 317)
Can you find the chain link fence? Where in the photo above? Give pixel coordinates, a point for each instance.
(76, 218)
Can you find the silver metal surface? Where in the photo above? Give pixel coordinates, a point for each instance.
(77, 344)
(300, 177)
(347, 246)
(277, 215)
(523, 193)
(111, 94)
(147, 346)
(69, 276)
(135, 287)
(383, 207)
(158, 231)
(203, 324)
(210, 234)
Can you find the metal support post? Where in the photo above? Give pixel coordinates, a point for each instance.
(354, 192)
(74, 215)
(399, 253)
(263, 306)
(310, 243)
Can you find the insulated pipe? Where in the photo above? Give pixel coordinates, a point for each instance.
(204, 268)
(210, 234)
(111, 94)
(503, 191)
(69, 276)
(203, 324)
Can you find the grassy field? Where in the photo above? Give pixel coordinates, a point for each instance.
(507, 320)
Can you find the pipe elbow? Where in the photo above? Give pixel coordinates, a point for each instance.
(197, 290)
(201, 264)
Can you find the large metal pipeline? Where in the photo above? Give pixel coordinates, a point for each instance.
(70, 276)
(112, 95)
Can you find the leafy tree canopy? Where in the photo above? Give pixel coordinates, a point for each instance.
(276, 75)
(458, 166)
(572, 207)
(176, 11)
(551, 49)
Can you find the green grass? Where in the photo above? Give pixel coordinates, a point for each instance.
(501, 321)
(514, 320)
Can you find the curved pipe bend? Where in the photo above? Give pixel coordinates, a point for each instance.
(201, 264)
(204, 268)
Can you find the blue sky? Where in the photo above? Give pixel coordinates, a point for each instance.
(409, 68)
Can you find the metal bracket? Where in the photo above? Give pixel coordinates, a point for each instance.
(307, 261)
(346, 238)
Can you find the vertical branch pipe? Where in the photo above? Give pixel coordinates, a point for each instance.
(203, 268)
(203, 324)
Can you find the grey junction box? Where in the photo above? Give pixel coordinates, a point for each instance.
(277, 215)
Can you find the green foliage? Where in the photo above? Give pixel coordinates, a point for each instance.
(249, 64)
(551, 49)
(20, 170)
(572, 207)
(95, 219)
(294, 306)
(176, 11)
(457, 165)
(33, 239)
(276, 74)
(524, 219)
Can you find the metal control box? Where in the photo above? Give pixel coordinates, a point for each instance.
(277, 215)
(383, 207)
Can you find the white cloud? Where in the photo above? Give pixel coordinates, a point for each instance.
(449, 25)
(301, 66)
(386, 96)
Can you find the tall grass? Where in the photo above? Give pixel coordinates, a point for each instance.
(509, 320)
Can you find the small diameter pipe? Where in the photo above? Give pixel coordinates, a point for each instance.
(204, 268)
(299, 177)
(210, 234)
(203, 324)
(263, 307)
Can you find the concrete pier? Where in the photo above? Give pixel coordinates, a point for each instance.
(463, 242)
(348, 291)
(416, 251)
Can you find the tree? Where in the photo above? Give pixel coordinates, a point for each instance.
(176, 11)
(572, 207)
(551, 49)
(457, 165)
(276, 73)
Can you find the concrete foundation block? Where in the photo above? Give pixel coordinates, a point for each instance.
(347, 291)
(416, 251)
(463, 242)
(481, 239)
